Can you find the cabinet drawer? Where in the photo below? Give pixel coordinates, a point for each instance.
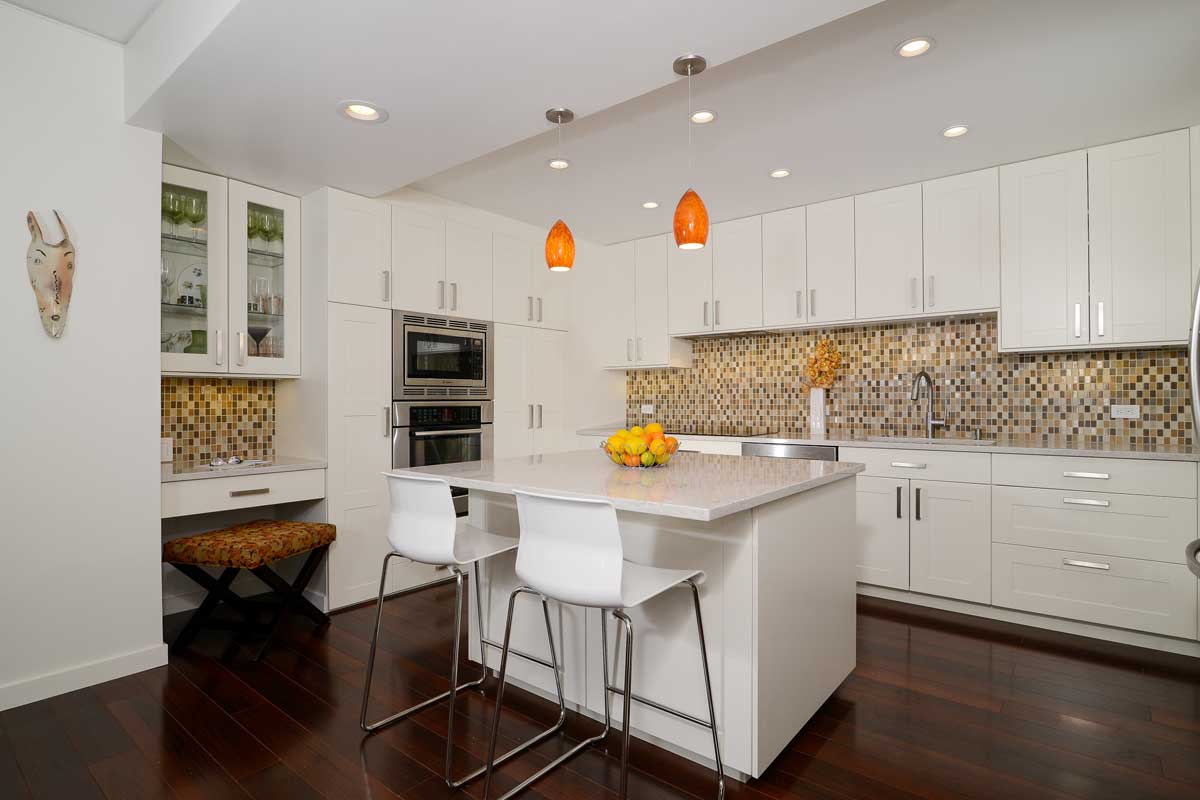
(715, 447)
(1121, 592)
(1125, 525)
(1125, 475)
(203, 495)
(927, 465)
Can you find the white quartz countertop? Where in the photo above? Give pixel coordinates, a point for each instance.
(692, 486)
(1029, 444)
(190, 471)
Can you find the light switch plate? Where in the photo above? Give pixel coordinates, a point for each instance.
(647, 408)
(1125, 412)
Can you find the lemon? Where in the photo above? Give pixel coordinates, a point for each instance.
(636, 447)
(654, 428)
(636, 430)
(615, 440)
(622, 433)
(616, 457)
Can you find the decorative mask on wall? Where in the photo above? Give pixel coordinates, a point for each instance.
(51, 274)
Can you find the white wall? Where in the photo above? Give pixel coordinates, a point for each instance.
(79, 416)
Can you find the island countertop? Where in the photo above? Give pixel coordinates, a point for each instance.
(694, 486)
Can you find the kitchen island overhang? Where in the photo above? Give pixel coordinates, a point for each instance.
(775, 538)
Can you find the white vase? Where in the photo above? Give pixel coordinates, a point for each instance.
(816, 412)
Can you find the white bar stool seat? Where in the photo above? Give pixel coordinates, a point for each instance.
(570, 551)
(424, 528)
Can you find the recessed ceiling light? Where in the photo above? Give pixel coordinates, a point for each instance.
(649, 204)
(780, 173)
(917, 46)
(558, 163)
(954, 131)
(704, 117)
(361, 111)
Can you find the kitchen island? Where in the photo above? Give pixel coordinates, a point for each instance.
(776, 540)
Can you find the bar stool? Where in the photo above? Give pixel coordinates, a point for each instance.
(570, 551)
(423, 528)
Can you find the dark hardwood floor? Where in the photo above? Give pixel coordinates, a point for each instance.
(941, 706)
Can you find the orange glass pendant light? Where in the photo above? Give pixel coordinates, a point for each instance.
(560, 248)
(560, 244)
(691, 217)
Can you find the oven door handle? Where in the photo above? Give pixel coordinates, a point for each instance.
(448, 433)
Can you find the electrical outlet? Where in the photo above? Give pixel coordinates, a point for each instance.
(1125, 412)
(647, 408)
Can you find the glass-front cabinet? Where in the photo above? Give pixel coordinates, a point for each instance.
(230, 277)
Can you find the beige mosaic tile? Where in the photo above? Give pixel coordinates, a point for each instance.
(755, 379)
(210, 417)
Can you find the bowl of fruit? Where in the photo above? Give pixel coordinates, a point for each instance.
(641, 447)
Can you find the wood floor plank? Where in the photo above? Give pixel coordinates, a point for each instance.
(130, 776)
(49, 763)
(12, 783)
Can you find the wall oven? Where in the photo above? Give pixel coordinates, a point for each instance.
(427, 433)
(440, 357)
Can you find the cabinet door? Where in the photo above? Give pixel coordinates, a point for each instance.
(962, 241)
(737, 274)
(547, 369)
(785, 267)
(882, 506)
(690, 284)
(888, 253)
(830, 241)
(551, 294)
(359, 250)
(1044, 253)
(618, 333)
(1140, 240)
(513, 409)
(194, 274)
(651, 342)
(264, 280)
(418, 262)
(951, 540)
(512, 290)
(468, 271)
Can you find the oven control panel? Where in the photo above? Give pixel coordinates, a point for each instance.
(445, 415)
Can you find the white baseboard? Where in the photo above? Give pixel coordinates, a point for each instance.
(1120, 635)
(39, 687)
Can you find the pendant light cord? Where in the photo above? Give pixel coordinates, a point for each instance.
(691, 157)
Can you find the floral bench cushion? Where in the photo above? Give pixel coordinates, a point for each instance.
(251, 544)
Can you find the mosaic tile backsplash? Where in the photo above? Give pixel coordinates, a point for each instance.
(755, 379)
(210, 417)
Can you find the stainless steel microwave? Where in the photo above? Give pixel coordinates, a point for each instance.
(440, 357)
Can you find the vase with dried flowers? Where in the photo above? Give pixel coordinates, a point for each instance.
(823, 365)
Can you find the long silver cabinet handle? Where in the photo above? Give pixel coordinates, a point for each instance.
(454, 296)
(717, 313)
(1100, 318)
(799, 309)
(539, 309)
(539, 405)
(241, 348)
(918, 505)
(899, 502)
(1070, 562)
(812, 303)
(220, 347)
(907, 465)
(706, 313)
(1083, 501)
(438, 433)
(531, 416)
(1097, 476)
(529, 312)
(387, 286)
(387, 421)
(248, 492)
(441, 294)
(929, 291)
(1078, 322)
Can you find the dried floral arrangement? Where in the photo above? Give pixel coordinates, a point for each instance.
(823, 365)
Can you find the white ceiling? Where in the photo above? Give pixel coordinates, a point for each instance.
(257, 98)
(839, 109)
(112, 19)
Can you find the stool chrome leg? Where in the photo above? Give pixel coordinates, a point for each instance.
(628, 700)
(712, 714)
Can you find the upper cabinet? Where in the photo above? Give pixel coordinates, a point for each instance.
(888, 253)
(635, 332)
(526, 292)
(230, 277)
(784, 267)
(357, 245)
(737, 274)
(961, 222)
(468, 270)
(1140, 232)
(418, 262)
(830, 238)
(690, 284)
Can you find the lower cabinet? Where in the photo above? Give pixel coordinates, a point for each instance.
(951, 537)
(882, 506)
(530, 406)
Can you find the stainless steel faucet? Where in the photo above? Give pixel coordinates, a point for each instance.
(930, 423)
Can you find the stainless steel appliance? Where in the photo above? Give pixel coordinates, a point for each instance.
(440, 357)
(427, 433)
(810, 451)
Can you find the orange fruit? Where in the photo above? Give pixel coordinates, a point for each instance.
(672, 444)
(658, 446)
(654, 428)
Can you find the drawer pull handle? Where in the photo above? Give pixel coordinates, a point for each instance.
(1096, 476)
(248, 492)
(907, 465)
(1070, 562)
(1081, 501)
(899, 503)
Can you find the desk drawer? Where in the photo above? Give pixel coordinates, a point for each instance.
(1124, 525)
(926, 465)
(1125, 475)
(203, 495)
(1121, 592)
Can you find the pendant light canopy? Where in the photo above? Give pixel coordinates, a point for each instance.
(691, 217)
(560, 244)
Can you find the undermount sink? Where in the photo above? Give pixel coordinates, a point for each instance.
(960, 440)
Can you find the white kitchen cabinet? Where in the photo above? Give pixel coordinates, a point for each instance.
(883, 521)
(358, 240)
(950, 540)
(784, 267)
(1140, 240)
(961, 222)
(619, 331)
(636, 328)
(737, 274)
(548, 391)
(418, 262)
(468, 271)
(1195, 159)
(690, 283)
(552, 293)
(830, 269)
(526, 292)
(1044, 253)
(888, 253)
(530, 407)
